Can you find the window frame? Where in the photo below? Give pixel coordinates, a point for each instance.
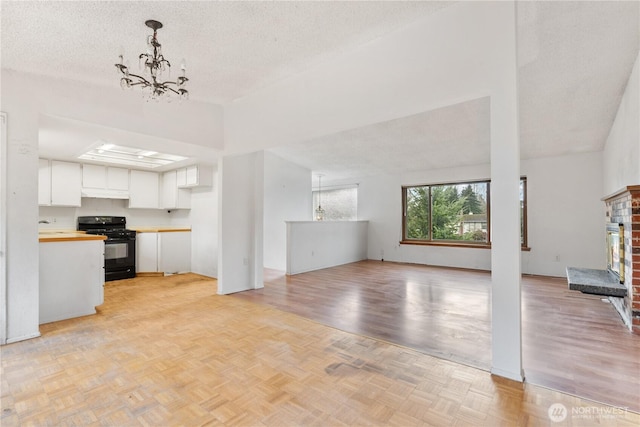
(462, 243)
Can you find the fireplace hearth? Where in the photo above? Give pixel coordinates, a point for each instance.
(621, 280)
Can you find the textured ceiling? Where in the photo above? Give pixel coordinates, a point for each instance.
(459, 132)
(574, 59)
(231, 48)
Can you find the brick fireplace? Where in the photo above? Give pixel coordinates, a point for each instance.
(623, 207)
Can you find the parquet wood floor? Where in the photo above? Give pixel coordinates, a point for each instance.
(572, 342)
(169, 351)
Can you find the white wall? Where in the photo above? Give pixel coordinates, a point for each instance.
(191, 122)
(622, 150)
(380, 202)
(204, 229)
(313, 245)
(66, 217)
(440, 60)
(22, 212)
(287, 197)
(240, 226)
(565, 216)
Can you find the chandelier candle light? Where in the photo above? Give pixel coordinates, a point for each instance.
(154, 65)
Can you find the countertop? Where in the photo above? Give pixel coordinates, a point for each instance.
(163, 229)
(45, 236)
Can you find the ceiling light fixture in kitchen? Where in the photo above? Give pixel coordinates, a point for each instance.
(154, 65)
(128, 156)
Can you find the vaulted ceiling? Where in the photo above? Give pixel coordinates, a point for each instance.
(574, 59)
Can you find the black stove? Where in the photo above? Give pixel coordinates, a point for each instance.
(119, 248)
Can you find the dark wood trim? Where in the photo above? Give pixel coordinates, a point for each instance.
(447, 243)
(489, 213)
(525, 227)
(453, 244)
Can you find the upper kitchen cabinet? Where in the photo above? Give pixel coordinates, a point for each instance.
(144, 189)
(195, 176)
(105, 182)
(172, 196)
(44, 182)
(59, 183)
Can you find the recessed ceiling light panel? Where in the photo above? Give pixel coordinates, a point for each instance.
(128, 156)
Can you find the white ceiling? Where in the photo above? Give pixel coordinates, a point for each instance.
(574, 61)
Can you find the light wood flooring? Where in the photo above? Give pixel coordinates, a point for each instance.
(169, 351)
(572, 342)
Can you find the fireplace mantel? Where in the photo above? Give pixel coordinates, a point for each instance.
(622, 191)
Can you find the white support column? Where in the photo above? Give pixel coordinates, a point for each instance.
(240, 216)
(505, 209)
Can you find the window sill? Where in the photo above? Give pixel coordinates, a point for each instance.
(456, 245)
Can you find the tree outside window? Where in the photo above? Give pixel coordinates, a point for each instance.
(454, 213)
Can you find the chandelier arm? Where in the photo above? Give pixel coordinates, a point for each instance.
(142, 79)
(173, 90)
(144, 83)
(170, 83)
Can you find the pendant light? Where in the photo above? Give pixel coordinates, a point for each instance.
(319, 210)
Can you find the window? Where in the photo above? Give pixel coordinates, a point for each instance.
(456, 213)
(339, 204)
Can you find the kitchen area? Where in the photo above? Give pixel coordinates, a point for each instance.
(100, 223)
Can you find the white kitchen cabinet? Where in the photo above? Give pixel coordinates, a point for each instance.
(144, 190)
(147, 252)
(105, 178)
(71, 279)
(117, 179)
(181, 177)
(44, 182)
(59, 183)
(94, 176)
(172, 196)
(196, 176)
(66, 183)
(165, 252)
(174, 251)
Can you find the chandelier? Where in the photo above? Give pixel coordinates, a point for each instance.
(319, 210)
(154, 66)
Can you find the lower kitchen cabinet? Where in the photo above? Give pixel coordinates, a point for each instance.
(174, 251)
(147, 252)
(71, 279)
(166, 252)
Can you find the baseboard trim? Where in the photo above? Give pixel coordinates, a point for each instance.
(150, 274)
(23, 338)
(515, 376)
